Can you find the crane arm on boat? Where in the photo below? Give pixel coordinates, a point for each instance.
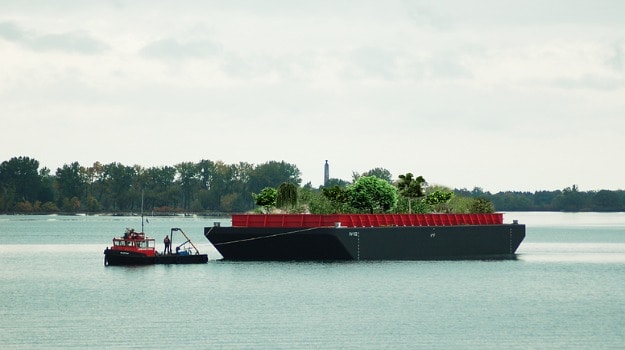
(185, 236)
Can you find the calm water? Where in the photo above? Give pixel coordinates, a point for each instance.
(566, 290)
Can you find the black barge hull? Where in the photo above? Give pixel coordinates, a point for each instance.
(367, 243)
(117, 258)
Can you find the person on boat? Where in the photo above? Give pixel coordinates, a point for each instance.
(167, 243)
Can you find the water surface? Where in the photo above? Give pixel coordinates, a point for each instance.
(566, 290)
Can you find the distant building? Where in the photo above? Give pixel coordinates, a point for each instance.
(326, 174)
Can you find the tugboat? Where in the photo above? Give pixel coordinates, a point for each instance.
(135, 248)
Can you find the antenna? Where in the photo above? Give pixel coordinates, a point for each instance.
(142, 211)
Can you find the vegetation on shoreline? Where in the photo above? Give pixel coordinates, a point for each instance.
(569, 199)
(210, 187)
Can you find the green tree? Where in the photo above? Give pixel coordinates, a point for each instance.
(71, 204)
(221, 186)
(481, 205)
(373, 194)
(286, 197)
(20, 181)
(543, 200)
(460, 204)
(240, 184)
(514, 201)
(118, 180)
(571, 199)
(336, 182)
(47, 185)
(24, 207)
(380, 173)
(439, 199)
(338, 196)
(272, 174)
(71, 181)
(206, 171)
(196, 206)
(92, 204)
(228, 201)
(605, 200)
(410, 188)
(95, 181)
(49, 207)
(157, 185)
(266, 199)
(188, 179)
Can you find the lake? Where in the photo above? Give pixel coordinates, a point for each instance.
(566, 290)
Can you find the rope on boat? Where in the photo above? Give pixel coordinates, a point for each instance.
(269, 236)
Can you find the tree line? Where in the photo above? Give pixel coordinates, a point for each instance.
(205, 186)
(216, 187)
(569, 199)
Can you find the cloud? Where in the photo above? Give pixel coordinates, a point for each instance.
(77, 42)
(425, 16)
(11, 32)
(370, 61)
(591, 82)
(616, 59)
(171, 48)
(71, 42)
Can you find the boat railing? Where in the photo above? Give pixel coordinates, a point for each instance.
(364, 220)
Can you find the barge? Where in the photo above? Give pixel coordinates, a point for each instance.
(286, 237)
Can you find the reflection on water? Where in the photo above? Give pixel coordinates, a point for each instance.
(572, 252)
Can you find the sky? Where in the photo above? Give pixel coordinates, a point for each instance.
(524, 95)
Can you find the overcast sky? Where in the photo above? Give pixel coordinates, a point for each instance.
(504, 95)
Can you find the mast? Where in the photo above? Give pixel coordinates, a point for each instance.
(142, 231)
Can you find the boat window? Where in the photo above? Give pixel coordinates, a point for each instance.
(123, 243)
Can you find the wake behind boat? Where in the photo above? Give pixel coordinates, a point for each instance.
(135, 248)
